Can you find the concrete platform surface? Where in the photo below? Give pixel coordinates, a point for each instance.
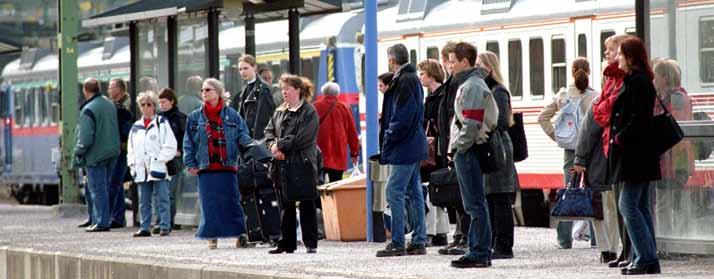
(35, 243)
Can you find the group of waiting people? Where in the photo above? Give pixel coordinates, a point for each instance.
(208, 144)
(457, 115)
(613, 153)
(460, 113)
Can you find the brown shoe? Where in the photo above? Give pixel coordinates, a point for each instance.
(213, 244)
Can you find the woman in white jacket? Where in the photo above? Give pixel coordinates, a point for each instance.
(151, 145)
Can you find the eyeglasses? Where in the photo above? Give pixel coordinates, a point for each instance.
(206, 89)
(147, 105)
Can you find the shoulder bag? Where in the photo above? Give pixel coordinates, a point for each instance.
(665, 132)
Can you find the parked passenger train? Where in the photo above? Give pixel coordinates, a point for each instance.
(536, 46)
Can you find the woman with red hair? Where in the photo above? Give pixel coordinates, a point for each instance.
(631, 160)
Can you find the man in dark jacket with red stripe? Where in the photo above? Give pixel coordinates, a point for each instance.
(403, 146)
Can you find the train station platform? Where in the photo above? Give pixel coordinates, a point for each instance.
(35, 243)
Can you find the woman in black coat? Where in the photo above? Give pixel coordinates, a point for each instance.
(500, 186)
(630, 158)
(291, 135)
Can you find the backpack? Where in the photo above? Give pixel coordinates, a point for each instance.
(568, 124)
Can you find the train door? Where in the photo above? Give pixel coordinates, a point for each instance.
(413, 47)
(6, 127)
(582, 37)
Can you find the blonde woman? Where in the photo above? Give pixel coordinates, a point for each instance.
(500, 186)
(151, 144)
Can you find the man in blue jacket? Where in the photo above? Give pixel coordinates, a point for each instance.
(403, 146)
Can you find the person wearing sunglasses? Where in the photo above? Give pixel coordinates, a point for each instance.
(151, 144)
(210, 150)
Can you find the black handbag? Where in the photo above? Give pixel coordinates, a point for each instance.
(491, 154)
(665, 132)
(517, 133)
(573, 202)
(172, 166)
(444, 188)
(299, 179)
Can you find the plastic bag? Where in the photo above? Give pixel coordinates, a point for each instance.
(356, 171)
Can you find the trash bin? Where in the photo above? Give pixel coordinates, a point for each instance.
(344, 209)
(378, 173)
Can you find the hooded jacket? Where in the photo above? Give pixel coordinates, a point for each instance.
(149, 149)
(475, 111)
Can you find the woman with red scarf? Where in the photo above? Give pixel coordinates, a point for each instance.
(210, 147)
(602, 109)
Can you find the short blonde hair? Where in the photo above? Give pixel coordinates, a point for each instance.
(217, 85)
(668, 69)
(148, 96)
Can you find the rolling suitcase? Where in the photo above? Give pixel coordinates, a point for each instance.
(262, 211)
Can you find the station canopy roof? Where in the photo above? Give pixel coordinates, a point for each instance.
(262, 10)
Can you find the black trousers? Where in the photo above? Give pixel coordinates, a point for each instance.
(308, 225)
(500, 212)
(333, 175)
(626, 252)
(463, 222)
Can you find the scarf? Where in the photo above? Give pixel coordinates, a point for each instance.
(216, 138)
(602, 109)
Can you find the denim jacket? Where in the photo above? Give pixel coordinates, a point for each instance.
(195, 140)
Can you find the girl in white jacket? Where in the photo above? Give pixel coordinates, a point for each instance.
(151, 145)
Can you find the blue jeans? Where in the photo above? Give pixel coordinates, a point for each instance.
(116, 191)
(98, 182)
(146, 191)
(404, 182)
(565, 228)
(468, 171)
(635, 202)
(90, 204)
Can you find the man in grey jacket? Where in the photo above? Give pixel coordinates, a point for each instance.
(475, 114)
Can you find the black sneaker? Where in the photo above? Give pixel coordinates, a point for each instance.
(164, 232)
(439, 240)
(454, 251)
(499, 255)
(416, 249)
(391, 251)
(142, 233)
(465, 262)
(243, 242)
(156, 230)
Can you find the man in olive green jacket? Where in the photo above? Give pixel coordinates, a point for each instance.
(97, 149)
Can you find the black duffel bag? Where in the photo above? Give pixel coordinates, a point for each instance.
(444, 188)
(517, 133)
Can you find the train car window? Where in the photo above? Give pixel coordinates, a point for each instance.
(307, 70)
(54, 105)
(277, 71)
(41, 104)
(558, 63)
(432, 53)
(413, 57)
(706, 48)
(315, 68)
(492, 46)
(536, 63)
(19, 105)
(582, 45)
(515, 68)
(29, 105)
(603, 36)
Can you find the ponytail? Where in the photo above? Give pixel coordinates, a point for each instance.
(581, 80)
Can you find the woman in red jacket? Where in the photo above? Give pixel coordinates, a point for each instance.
(337, 130)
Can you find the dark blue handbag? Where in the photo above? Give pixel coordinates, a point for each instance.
(574, 202)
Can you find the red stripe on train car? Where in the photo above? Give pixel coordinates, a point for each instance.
(540, 180)
(36, 131)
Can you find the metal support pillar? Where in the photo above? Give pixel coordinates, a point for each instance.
(294, 41)
(133, 65)
(250, 34)
(642, 20)
(172, 45)
(69, 92)
(370, 88)
(672, 28)
(213, 50)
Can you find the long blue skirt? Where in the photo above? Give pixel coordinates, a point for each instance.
(221, 213)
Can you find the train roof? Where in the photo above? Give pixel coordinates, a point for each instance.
(454, 15)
